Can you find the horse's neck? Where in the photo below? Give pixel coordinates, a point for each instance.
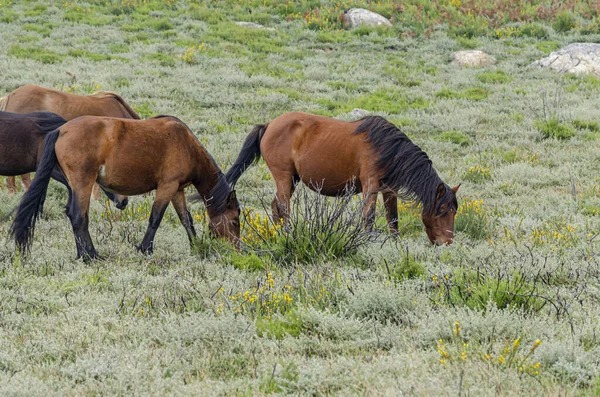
(208, 178)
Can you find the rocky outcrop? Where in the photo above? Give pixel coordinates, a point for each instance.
(576, 58)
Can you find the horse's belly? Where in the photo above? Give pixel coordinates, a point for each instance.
(335, 190)
(126, 181)
(11, 165)
(330, 181)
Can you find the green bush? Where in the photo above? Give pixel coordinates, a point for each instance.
(593, 126)
(243, 261)
(564, 22)
(473, 219)
(493, 77)
(475, 289)
(161, 24)
(319, 229)
(534, 30)
(407, 268)
(456, 137)
(279, 326)
(472, 94)
(466, 43)
(553, 128)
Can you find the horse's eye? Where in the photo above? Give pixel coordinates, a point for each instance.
(235, 224)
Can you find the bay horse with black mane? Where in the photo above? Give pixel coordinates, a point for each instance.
(371, 154)
(129, 157)
(22, 141)
(34, 98)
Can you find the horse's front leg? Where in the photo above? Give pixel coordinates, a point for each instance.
(164, 194)
(184, 215)
(390, 202)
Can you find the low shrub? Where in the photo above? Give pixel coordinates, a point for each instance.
(553, 128)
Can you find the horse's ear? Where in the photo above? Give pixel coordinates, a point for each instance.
(232, 200)
(441, 190)
(455, 188)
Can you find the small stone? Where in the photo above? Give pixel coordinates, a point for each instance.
(359, 113)
(356, 17)
(473, 58)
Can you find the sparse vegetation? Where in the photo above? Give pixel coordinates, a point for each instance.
(511, 307)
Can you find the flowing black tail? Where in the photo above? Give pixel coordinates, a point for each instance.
(249, 154)
(29, 209)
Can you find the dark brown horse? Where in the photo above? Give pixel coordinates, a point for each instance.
(129, 157)
(33, 98)
(371, 154)
(22, 140)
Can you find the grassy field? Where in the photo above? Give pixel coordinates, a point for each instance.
(512, 307)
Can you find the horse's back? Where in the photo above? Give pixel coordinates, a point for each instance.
(30, 98)
(322, 151)
(132, 155)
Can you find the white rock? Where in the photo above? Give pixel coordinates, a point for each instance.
(359, 113)
(356, 17)
(472, 58)
(576, 58)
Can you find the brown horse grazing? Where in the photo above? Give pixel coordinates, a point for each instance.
(22, 140)
(33, 98)
(371, 154)
(130, 157)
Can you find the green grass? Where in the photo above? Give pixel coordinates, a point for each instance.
(456, 137)
(493, 77)
(471, 94)
(302, 313)
(36, 53)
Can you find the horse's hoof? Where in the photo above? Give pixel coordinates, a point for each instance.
(122, 205)
(145, 250)
(88, 257)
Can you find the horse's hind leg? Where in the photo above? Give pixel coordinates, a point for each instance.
(26, 179)
(184, 215)
(280, 206)
(164, 194)
(78, 212)
(390, 202)
(370, 186)
(12, 184)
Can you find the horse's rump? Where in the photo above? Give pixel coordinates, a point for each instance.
(119, 98)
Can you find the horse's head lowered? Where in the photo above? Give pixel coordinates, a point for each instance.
(439, 222)
(227, 223)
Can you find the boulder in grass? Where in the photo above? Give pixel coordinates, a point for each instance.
(472, 58)
(576, 58)
(355, 17)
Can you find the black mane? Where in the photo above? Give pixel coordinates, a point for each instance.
(219, 194)
(406, 168)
